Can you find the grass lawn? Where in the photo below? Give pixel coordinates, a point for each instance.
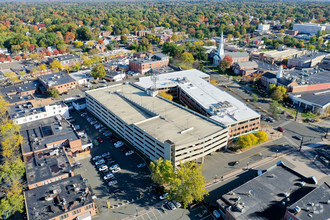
(308, 115)
(254, 90)
(291, 111)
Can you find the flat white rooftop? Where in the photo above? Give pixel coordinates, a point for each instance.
(222, 106)
(157, 117)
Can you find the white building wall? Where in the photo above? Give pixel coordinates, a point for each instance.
(49, 111)
(309, 28)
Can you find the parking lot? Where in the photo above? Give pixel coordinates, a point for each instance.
(132, 181)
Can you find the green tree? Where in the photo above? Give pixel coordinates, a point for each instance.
(56, 65)
(88, 62)
(123, 40)
(244, 142)
(175, 37)
(277, 95)
(188, 185)
(273, 109)
(262, 136)
(271, 88)
(78, 44)
(254, 139)
(52, 92)
(84, 33)
(185, 184)
(224, 65)
(187, 57)
(255, 97)
(76, 67)
(313, 40)
(98, 71)
(282, 89)
(162, 172)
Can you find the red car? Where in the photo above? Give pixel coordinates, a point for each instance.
(100, 140)
(280, 129)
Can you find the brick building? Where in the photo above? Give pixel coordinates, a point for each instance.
(245, 68)
(46, 167)
(62, 82)
(68, 199)
(52, 133)
(146, 64)
(19, 93)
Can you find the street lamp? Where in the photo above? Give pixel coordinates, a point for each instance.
(247, 165)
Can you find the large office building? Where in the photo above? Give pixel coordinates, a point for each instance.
(155, 126)
(309, 28)
(192, 88)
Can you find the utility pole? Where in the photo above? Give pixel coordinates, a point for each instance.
(301, 143)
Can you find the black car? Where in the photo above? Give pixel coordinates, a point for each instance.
(117, 190)
(108, 157)
(110, 162)
(110, 179)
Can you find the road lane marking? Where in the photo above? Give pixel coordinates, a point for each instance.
(154, 214)
(148, 215)
(253, 154)
(285, 123)
(290, 141)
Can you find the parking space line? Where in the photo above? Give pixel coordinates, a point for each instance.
(148, 215)
(159, 213)
(142, 217)
(154, 214)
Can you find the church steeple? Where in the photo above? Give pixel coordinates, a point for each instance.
(221, 50)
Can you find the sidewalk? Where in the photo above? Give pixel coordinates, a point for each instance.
(243, 170)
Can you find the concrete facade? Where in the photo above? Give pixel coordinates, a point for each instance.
(155, 126)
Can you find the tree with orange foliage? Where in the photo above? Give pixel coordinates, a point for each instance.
(69, 37)
(100, 41)
(229, 59)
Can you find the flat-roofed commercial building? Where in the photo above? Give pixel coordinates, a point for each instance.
(155, 126)
(193, 89)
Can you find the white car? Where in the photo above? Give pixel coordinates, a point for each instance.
(111, 183)
(104, 167)
(162, 197)
(119, 144)
(100, 162)
(129, 153)
(96, 158)
(108, 176)
(116, 170)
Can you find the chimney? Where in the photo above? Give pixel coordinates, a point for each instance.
(279, 72)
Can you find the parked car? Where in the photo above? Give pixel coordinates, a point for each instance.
(324, 160)
(202, 214)
(270, 119)
(177, 204)
(96, 158)
(115, 190)
(105, 154)
(99, 162)
(170, 205)
(216, 214)
(129, 153)
(119, 144)
(114, 167)
(104, 167)
(108, 176)
(164, 196)
(116, 170)
(141, 165)
(100, 140)
(111, 183)
(280, 129)
(110, 162)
